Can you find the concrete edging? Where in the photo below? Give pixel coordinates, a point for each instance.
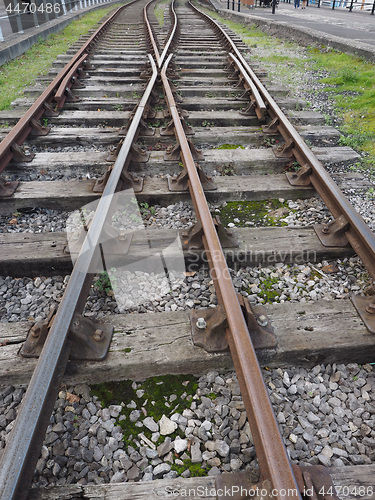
(298, 34)
(15, 48)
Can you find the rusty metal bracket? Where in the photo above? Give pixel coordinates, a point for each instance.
(76, 83)
(314, 482)
(365, 306)
(128, 181)
(37, 129)
(301, 177)
(169, 128)
(250, 110)
(333, 233)
(272, 127)
(49, 111)
(90, 340)
(8, 188)
(208, 327)
(148, 112)
(138, 155)
(180, 183)
(113, 242)
(19, 154)
(192, 237)
(143, 129)
(70, 97)
(284, 150)
(175, 153)
(258, 323)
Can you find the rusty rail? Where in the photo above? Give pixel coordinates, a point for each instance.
(42, 106)
(347, 221)
(272, 456)
(160, 58)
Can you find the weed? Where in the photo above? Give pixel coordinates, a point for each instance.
(206, 123)
(106, 282)
(146, 209)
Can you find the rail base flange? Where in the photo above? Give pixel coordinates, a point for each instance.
(366, 309)
(90, 341)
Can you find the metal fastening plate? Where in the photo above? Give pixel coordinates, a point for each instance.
(8, 188)
(366, 309)
(333, 233)
(259, 325)
(36, 336)
(213, 337)
(90, 340)
(300, 178)
(314, 482)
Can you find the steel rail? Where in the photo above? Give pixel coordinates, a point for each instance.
(171, 35)
(60, 96)
(25, 440)
(272, 457)
(22, 129)
(359, 235)
(261, 107)
(160, 58)
(153, 42)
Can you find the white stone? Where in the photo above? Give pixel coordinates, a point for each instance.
(167, 426)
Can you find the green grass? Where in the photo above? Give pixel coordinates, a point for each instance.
(350, 83)
(159, 11)
(15, 75)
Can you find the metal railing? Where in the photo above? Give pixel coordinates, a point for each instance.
(350, 5)
(26, 14)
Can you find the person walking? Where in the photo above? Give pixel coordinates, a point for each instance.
(304, 4)
(296, 4)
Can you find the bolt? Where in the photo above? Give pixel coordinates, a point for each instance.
(98, 335)
(35, 331)
(262, 320)
(201, 324)
(325, 229)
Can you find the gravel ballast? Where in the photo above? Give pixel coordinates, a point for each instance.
(326, 416)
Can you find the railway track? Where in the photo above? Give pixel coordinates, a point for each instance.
(192, 109)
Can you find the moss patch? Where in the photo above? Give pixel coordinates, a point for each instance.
(254, 213)
(230, 146)
(157, 396)
(196, 470)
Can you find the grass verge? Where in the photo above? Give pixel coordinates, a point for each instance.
(15, 75)
(347, 81)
